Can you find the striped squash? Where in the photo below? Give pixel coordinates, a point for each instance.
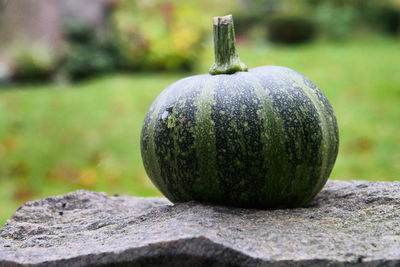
(261, 138)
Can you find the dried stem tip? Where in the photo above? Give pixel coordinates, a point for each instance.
(226, 58)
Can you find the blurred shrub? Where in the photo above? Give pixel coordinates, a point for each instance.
(162, 35)
(385, 18)
(336, 21)
(254, 13)
(244, 23)
(89, 54)
(31, 63)
(291, 29)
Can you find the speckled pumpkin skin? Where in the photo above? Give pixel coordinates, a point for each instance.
(266, 138)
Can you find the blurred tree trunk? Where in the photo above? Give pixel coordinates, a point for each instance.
(25, 23)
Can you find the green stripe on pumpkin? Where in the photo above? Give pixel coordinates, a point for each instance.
(327, 129)
(274, 156)
(175, 130)
(204, 140)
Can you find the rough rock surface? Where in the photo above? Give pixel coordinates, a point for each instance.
(349, 223)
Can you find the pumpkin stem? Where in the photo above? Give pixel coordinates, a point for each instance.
(226, 58)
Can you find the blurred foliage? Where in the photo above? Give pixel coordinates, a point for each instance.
(32, 63)
(336, 19)
(336, 22)
(164, 35)
(88, 53)
(386, 19)
(145, 36)
(340, 19)
(253, 14)
(291, 29)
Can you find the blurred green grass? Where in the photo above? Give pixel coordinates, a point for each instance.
(54, 139)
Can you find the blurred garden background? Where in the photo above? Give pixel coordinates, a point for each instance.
(77, 78)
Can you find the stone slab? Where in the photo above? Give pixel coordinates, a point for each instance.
(349, 223)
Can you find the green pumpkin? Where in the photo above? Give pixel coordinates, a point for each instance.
(261, 138)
